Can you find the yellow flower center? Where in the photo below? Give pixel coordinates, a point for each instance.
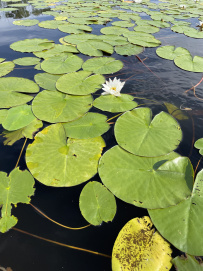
(113, 88)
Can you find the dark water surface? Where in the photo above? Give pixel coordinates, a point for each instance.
(22, 252)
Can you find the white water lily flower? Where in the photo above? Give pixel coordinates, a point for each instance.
(200, 24)
(113, 87)
(137, 1)
(183, 6)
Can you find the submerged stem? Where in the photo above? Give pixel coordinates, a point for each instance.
(61, 244)
(61, 225)
(197, 166)
(21, 152)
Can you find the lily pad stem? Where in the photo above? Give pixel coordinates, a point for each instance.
(21, 152)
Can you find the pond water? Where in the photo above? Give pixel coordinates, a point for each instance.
(158, 80)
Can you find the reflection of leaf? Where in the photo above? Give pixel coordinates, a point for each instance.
(97, 204)
(16, 188)
(175, 112)
(181, 224)
(28, 132)
(139, 247)
(187, 264)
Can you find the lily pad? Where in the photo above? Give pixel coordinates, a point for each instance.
(46, 80)
(6, 67)
(144, 40)
(199, 145)
(74, 28)
(153, 137)
(31, 45)
(115, 104)
(181, 225)
(141, 180)
(102, 65)
(50, 24)
(13, 89)
(114, 29)
(77, 38)
(88, 126)
(80, 83)
(169, 52)
(188, 63)
(62, 64)
(187, 264)
(146, 29)
(27, 132)
(123, 23)
(97, 204)
(129, 49)
(26, 22)
(94, 48)
(27, 61)
(15, 188)
(113, 39)
(56, 50)
(67, 163)
(54, 106)
(18, 117)
(3, 114)
(139, 246)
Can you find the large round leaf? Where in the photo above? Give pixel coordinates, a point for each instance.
(50, 24)
(129, 49)
(94, 48)
(80, 83)
(169, 52)
(18, 117)
(54, 161)
(102, 65)
(139, 247)
(56, 50)
(155, 182)
(31, 45)
(74, 28)
(142, 40)
(188, 63)
(47, 80)
(97, 204)
(136, 132)
(114, 29)
(11, 88)
(27, 61)
(6, 67)
(62, 64)
(115, 104)
(182, 224)
(89, 126)
(54, 106)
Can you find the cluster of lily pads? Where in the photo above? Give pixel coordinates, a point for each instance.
(142, 169)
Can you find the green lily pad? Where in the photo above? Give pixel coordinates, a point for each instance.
(137, 244)
(188, 63)
(62, 64)
(74, 28)
(114, 29)
(146, 29)
(46, 80)
(18, 117)
(77, 38)
(13, 89)
(3, 114)
(115, 104)
(88, 126)
(6, 67)
(26, 22)
(153, 137)
(97, 204)
(27, 61)
(123, 23)
(102, 65)
(181, 225)
(155, 182)
(56, 50)
(54, 106)
(50, 24)
(15, 188)
(2, 60)
(94, 48)
(113, 39)
(27, 132)
(199, 145)
(80, 83)
(187, 264)
(144, 40)
(31, 45)
(129, 49)
(67, 163)
(169, 52)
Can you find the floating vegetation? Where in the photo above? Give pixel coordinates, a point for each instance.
(67, 146)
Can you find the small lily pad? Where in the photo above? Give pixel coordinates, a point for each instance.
(27, 61)
(169, 52)
(97, 204)
(199, 145)
(46, 80)
(6, 67)
(188, 63)
(26, 22)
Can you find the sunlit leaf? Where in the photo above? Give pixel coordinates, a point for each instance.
(188, 63)
(199, 145)
(94, 48)
(170, 52)
(139, 247)
(182, 224)
(80, 83)
(129, 49)
(32, 45)
(54, 106)
(67, 163)
(50, 24)
(15, 188)
(155, 182)
(27, 61)
(6, 67)
(26, 22)
(97, 204)
(56, 50)
(46, 80)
